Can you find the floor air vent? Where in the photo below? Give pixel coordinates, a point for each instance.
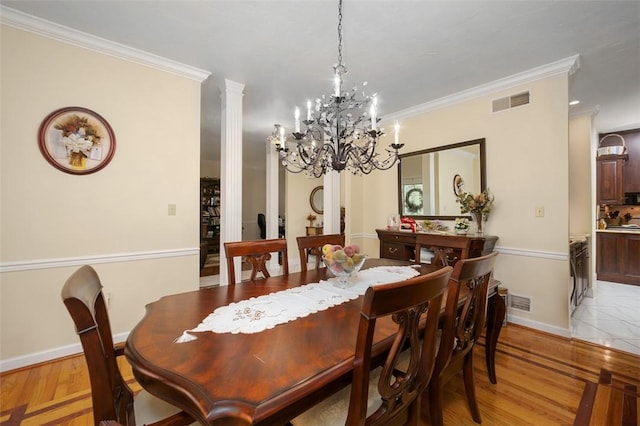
(522, 303)
(510, 101)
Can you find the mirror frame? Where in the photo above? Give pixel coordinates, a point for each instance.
(317, 205)
(483, 180)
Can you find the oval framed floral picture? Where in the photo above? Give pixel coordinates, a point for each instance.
(76, 140)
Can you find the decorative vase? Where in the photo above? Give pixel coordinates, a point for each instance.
(77, 160)
(476, 218)
(462, 231)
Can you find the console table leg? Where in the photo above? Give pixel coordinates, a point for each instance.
(496, 311)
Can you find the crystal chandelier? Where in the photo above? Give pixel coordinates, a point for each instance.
(337, 134)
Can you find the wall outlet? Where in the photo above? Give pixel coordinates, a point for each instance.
(539, 211)
(172, 209)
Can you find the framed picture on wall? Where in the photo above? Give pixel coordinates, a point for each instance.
(76, 140)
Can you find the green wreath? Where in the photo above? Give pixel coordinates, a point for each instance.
(413, 200)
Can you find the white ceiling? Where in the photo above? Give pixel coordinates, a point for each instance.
(409, 52)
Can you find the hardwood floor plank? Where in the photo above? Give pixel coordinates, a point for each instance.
(541, 379)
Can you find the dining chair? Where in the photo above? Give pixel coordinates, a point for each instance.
(447, 249)
(256, 253)
(111, 398)
(464, 317)
(393, 390)
(312, 245)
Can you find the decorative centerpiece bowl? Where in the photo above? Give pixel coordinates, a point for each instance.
(343, 262)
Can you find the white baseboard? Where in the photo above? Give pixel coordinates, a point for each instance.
(49, 355)
(558, 331)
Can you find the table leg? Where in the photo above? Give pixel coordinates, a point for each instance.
(496, 311)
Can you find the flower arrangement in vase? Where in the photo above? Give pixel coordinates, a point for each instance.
(461, 225)
(79, 138)
(478, 206)
(311, 218)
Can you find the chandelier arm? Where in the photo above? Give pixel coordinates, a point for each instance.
(304, 155)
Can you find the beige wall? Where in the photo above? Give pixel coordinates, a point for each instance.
(527, 158)
(115, 219)
(298, 207)
(581, 207)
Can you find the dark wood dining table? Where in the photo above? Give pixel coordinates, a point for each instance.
(264, 378)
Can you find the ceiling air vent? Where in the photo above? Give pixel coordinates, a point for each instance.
(522, 303)
(510, 101)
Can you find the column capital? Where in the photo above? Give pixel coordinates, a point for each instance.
(233, 86)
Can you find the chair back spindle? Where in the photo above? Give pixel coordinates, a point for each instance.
(447, 250)
(256, 253)
(312, 245)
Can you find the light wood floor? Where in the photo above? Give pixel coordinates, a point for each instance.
(540, 381)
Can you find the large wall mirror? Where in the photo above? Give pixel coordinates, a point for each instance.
(429, 180)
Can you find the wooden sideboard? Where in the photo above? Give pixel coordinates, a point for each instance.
(314, 230)
(401, 245)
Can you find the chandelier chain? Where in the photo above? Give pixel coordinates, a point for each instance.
(340, 33)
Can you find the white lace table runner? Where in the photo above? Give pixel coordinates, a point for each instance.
(264, 312)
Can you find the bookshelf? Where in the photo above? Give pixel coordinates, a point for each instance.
(210, 213)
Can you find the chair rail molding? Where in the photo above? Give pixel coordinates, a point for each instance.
(29, 265)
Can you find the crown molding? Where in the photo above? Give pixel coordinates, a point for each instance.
(30, 23)
(564, 66)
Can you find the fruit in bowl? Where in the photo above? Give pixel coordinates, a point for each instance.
(342, 261)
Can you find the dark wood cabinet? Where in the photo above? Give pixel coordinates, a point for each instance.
(401, 245)
(632, 166)
(210, 214)
(619, 174)
(618, 257)
(610, 179)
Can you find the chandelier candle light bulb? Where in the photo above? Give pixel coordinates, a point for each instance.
(373, 113)
(297, 122)
(308, 110)
(397, 132)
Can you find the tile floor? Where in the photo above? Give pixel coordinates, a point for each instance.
(611, 318)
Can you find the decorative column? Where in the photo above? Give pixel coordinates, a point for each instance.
(230, 172)
(272, 195)
(331, 203)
